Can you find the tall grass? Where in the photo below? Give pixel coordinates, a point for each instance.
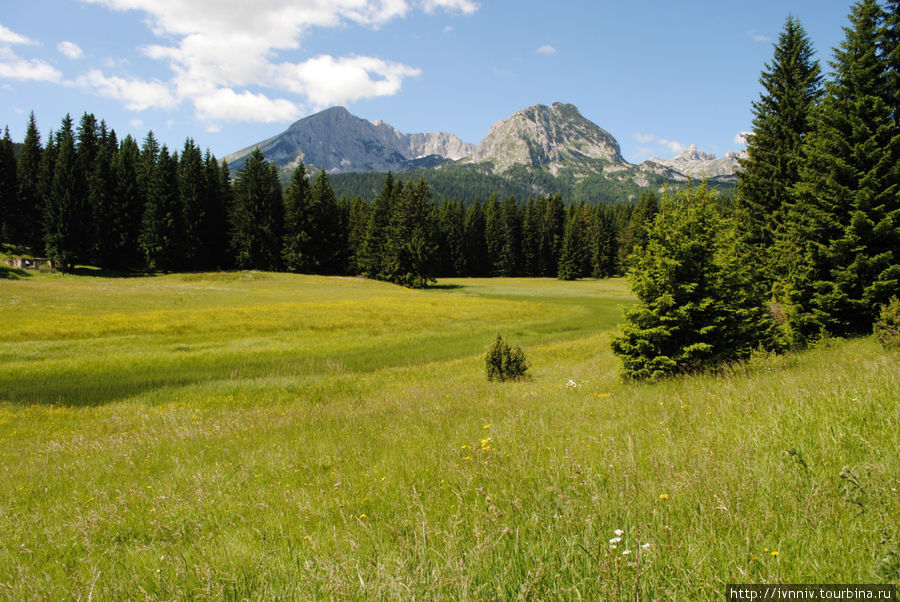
(339, 457)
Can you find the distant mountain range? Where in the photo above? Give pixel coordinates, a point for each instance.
(543, 149)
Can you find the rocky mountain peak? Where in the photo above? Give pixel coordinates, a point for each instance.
(553, 136)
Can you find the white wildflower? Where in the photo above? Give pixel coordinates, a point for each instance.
(619, 532)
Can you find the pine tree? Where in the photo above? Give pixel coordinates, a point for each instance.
(125, 210)
(605, 247)
(635, 234)
(101, 182)
(510, 257)
(192, 197)
(792, 87)
(9, 188)
(298, 228)
(326, 239)
(701, 302)
(572, 254)
(61, 208)
(256, 215)
(358, 221)
(452, 226)
(371, 255)
(216, 201)
(494, 235)
(531, 237)
(45, 185)
(475, 241)
(842, 234)
(28, 208)
(552, 233)
(411, 248)
(162, 228)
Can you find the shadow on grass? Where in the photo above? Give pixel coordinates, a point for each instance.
(8, 273)
(444, 287)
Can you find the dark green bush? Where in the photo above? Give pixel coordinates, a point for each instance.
(504, 363)
(887, 326)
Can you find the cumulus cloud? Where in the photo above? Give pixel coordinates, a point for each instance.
(741, 137)
(226, 55)
(9, 37)
(13, 66)
(546, 49)
(670, 145)
(70, 49)
(136, 94)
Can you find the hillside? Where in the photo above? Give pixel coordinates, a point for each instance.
(539, 150)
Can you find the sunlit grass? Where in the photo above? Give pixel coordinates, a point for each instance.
(335, 456)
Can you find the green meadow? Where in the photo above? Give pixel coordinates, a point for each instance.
(268, 436)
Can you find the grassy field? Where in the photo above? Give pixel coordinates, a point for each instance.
(267, 436)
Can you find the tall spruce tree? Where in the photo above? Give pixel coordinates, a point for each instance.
(61, 208)
(635, 233)
(701, 303)
(256, 215)
(411, 247)
(192, 191)
(552, 233)
(475, 242)
(125, 210)
(842, 248)
(326, 240)
(28, 211)
(781, 121)
(162, 229)
(371, 255)
(298, 229)
(605, 243)
(9, 188)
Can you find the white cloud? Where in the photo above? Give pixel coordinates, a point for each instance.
(757, 37)
(325, 80)
(136, 94)
(136, 123)
(546, 49)
(8, 37)
(741, 137)
(669, 145)
(466, 7)
(224, 104)
(12, 66)
(223, 52)
(70, 49)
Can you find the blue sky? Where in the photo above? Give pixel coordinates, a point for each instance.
(657, 75)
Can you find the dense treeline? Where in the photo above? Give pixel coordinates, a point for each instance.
(811, 246)
(86, 198)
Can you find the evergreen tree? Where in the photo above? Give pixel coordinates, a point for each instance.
(411, 249)
(101, 199)
(494, 235)
(371, 254)
(552, 233)
(531, 237)
(605, 245)
(701, 302)
(781, 121)
(635, 234)
(256, 215)
(357, 224)
(162, 229)
(509, 259)
(326, 238)
(9, 189)
(192, 189)
(45, 186)
(298, 227)
(61, 208)
(842, 234)
(572, 253)
(125, 210)
(476, 252)
(217, 200)
(452, 227)
(890, 48)
(27, 229)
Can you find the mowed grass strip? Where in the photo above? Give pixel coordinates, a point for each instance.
(418, 478)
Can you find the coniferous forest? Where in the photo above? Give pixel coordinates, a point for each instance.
(808, 247)
(86, 198)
